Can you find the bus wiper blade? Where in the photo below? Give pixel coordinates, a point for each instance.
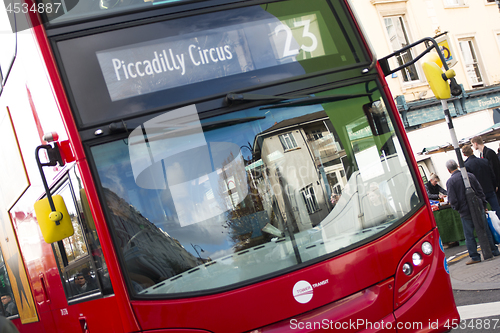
(170, 132)
(314, 100)
(228, 122)
(231, 97)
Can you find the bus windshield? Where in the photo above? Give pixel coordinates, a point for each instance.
(199, 203)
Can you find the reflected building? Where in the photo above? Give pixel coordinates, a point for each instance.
(151, 254)
(300, 166)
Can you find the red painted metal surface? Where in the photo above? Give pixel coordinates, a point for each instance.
(101, 315)
(123, 304)
(364, 310)
(35, 116)
(66, 151)
(407, 285)
(41, 267)
(435, 289)
(362, 284)
(178, 330)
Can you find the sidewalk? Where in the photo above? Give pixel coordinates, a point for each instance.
(482, 276)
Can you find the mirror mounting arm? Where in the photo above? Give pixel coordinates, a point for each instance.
(54, 159)
(456, 90)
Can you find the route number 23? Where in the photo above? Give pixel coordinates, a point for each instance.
(288, 51)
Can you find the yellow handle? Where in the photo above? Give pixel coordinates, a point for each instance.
(55, 216)
(450, 73)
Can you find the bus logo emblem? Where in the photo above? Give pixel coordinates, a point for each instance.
(303, 292)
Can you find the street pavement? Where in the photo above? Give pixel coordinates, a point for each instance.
(476, 289)
(482, 276)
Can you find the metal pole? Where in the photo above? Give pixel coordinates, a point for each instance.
(473, 201)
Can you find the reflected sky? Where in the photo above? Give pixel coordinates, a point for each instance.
(159, 206)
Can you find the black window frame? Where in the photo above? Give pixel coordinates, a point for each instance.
(60, 254)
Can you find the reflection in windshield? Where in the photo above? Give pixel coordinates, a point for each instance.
(195, 208)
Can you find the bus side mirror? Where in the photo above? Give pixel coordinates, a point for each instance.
(52, 214)
(438, 81)
(55, 225)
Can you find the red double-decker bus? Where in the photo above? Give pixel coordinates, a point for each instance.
(219, 166)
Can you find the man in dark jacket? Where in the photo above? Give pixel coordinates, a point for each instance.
(6, 326)
(488, 154)
(9, 306)
(458, 201)
(484, 175)
(434, 191)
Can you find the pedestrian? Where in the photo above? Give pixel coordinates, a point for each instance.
(458, 200)
(6, 326)
(480, 168)
(9, 306)
(91, 281)
(434, 191)
(489, 154)
(82, 284)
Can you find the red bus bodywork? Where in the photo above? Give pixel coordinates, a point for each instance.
(377, 296)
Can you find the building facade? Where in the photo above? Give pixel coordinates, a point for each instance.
(469, 36)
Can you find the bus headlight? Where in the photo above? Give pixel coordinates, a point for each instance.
(417, 258)
(426, 248)
(407, 269)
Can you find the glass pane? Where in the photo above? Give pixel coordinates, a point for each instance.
(99, 268)
(75, 246)
(398, 37)
(470, 61)
(192, 210)
(79, 257)
(81, 280)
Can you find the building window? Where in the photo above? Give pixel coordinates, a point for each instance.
(492, 2)
(316, 134)
(288, 141)
(454, 3)
(310, 199)
(398, 38)
(471, 62)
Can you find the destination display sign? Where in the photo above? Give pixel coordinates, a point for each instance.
(165, 63)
